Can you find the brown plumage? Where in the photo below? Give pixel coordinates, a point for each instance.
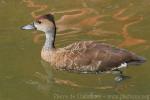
(83, 56)
(89, 56)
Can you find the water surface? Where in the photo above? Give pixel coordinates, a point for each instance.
(24, 76)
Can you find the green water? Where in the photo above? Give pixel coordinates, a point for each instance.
(24, 76)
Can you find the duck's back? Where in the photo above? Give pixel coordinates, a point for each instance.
(89, 56)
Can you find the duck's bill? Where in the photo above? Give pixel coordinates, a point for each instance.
(28, 27)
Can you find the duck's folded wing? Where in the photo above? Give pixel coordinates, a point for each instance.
(95, 56)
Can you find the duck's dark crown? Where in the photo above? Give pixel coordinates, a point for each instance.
(50, 17)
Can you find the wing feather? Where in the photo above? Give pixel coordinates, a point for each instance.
(93, 56)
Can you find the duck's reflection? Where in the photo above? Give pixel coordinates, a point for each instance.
(45, 82)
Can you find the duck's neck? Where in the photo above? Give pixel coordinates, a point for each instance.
(50, 40)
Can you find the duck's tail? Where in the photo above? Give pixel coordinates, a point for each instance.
(137, 60)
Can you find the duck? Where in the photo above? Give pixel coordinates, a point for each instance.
(81, 56)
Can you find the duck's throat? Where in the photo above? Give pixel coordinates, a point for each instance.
(50, 40)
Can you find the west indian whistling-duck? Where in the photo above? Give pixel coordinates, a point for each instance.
(83, 56)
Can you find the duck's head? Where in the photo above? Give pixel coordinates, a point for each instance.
(43, 23)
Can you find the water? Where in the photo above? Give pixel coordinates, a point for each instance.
(24, 76)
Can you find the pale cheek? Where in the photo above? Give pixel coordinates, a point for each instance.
(40, 28)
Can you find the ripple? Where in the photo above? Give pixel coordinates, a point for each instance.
(128, 40)
(39, 7)
(88, 21)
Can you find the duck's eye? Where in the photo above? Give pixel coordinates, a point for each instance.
(39, 22)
